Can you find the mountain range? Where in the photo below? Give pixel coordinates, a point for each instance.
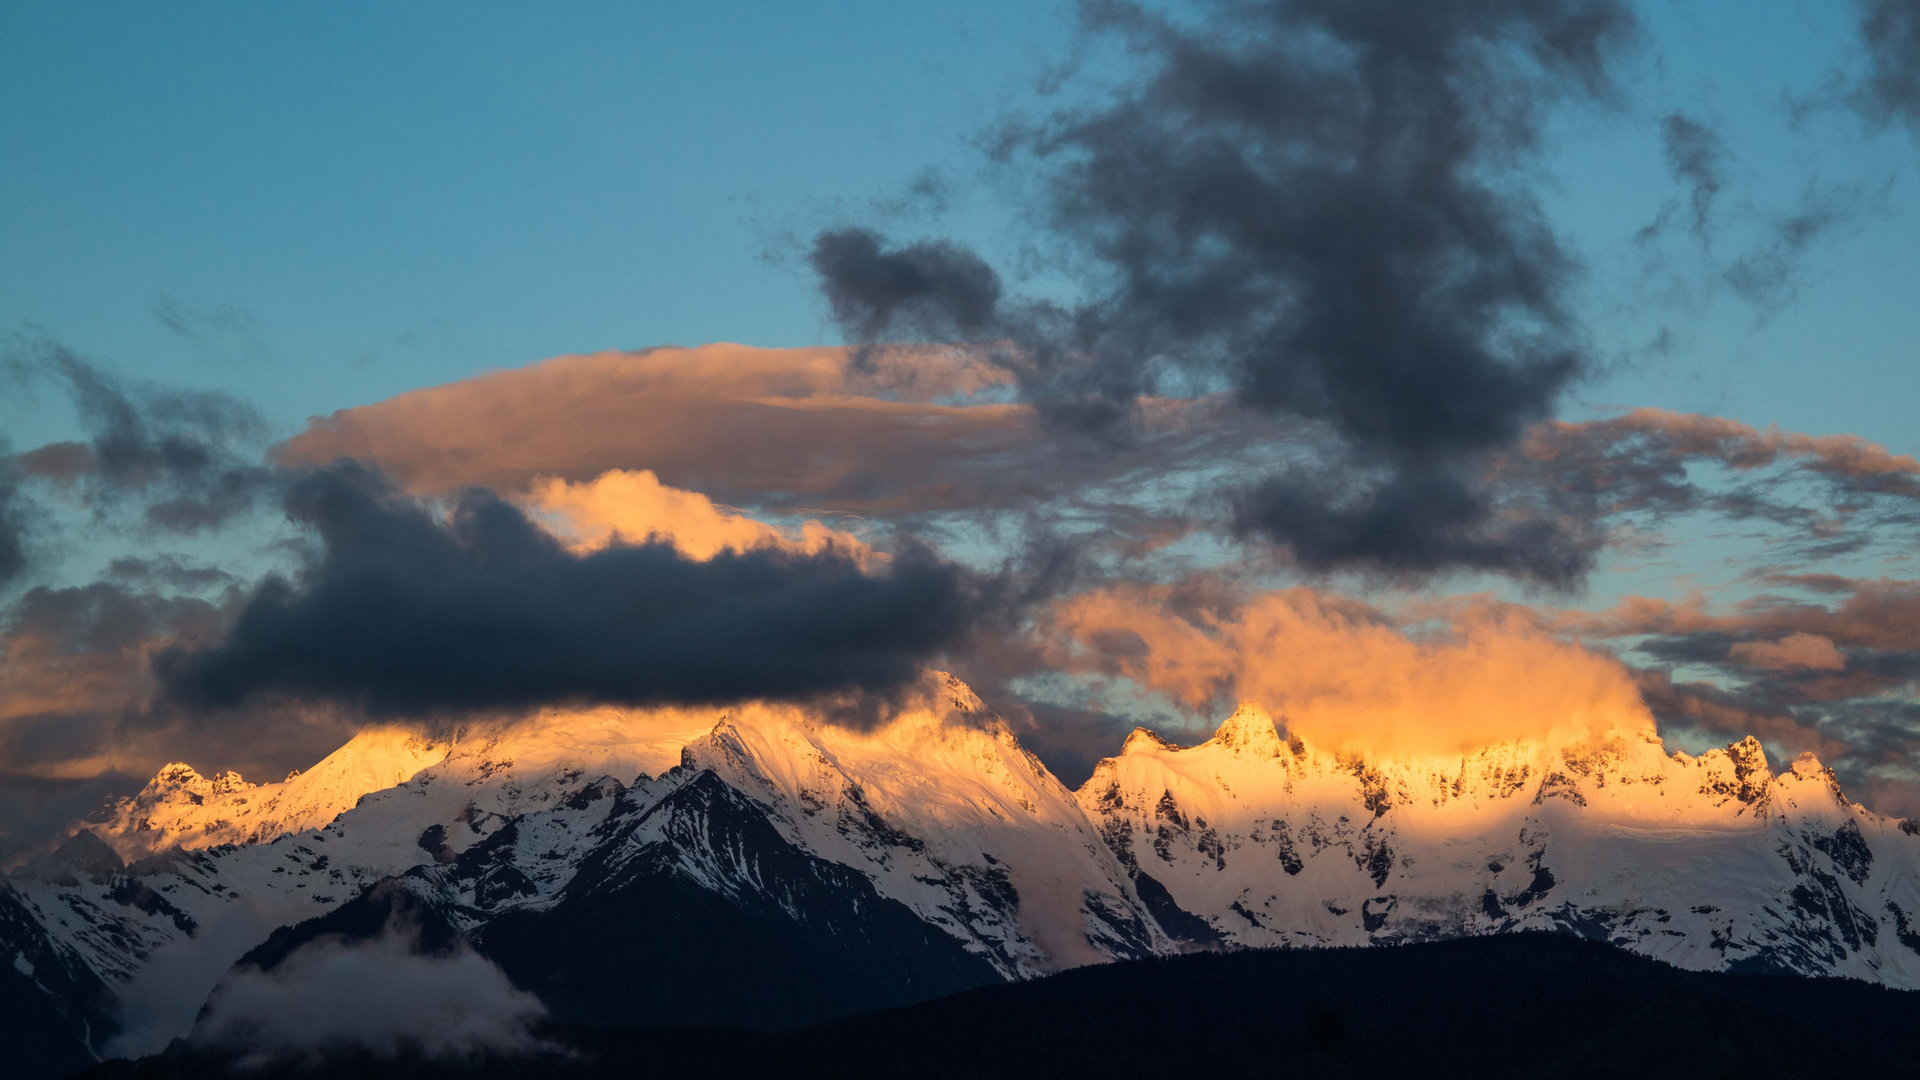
(760, 867)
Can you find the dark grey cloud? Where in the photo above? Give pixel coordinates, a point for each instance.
(1416, 522)
(1697, 156)
(1891, 90)
(38, 810)
(407, 613)
(167, 570)
(1809, 497)
(1828, 584)
(1770, 275)
(202, 324)
(76, 691)
(187, 455)
(1069, 741)
(1314, 203)
(101, 617)
(1707, 647)
(13, 525)
(935, 290)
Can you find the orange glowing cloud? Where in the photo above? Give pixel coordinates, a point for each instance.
(634, 505)
(1344, 675)
(1809, 652)
(1876, 614)
(898, 431)
(732, 420)
(1737, 445)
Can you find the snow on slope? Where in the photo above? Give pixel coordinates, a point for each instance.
(946, 812)
(179, 808)
(167, 928)
(1707, 862)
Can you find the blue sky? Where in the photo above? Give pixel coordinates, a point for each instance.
(398, 196)
(354, 200)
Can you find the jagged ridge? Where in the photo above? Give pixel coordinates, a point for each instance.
(1250, 838)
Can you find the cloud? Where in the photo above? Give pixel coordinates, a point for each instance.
(75, 674)
(1875, 614)
(184, 454)
(1348, 676)
(13, 528)
(1891, 90)
(168, 570)
(382, 996)
(1416, 521)
(633, 505)
(1663, 440)
(1568, 489)
(200, 324)
(1804, 651)
(938, 291)
(1836, 676)
(902, 434)
(37, 811)
(1704, 707)
(1697, 156)
(1313, 203)
(1769, 277)
(1825, 495)
(406, 611)
(1825, 584)
(811, 432)
(79, 715)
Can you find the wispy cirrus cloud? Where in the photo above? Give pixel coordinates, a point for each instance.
(188, 460)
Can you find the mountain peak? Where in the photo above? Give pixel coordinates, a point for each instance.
(1808, 764)
(1750, 767)
(180, 807)
(1251, 730)
(82, 855)
(1140, 739)
(174, 774)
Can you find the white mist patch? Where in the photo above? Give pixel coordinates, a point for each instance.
(377, 996)
(160, 1001)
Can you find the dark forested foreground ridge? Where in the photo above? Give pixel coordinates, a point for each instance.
(1521, 1005)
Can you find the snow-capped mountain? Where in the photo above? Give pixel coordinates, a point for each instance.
(761, 865)
(179, 808)
(1707, 862)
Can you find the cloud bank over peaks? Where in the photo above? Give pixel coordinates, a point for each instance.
(1348, 676)
(409, 611)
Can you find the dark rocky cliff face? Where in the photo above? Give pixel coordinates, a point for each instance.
(55, 1013)
(695, 911)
